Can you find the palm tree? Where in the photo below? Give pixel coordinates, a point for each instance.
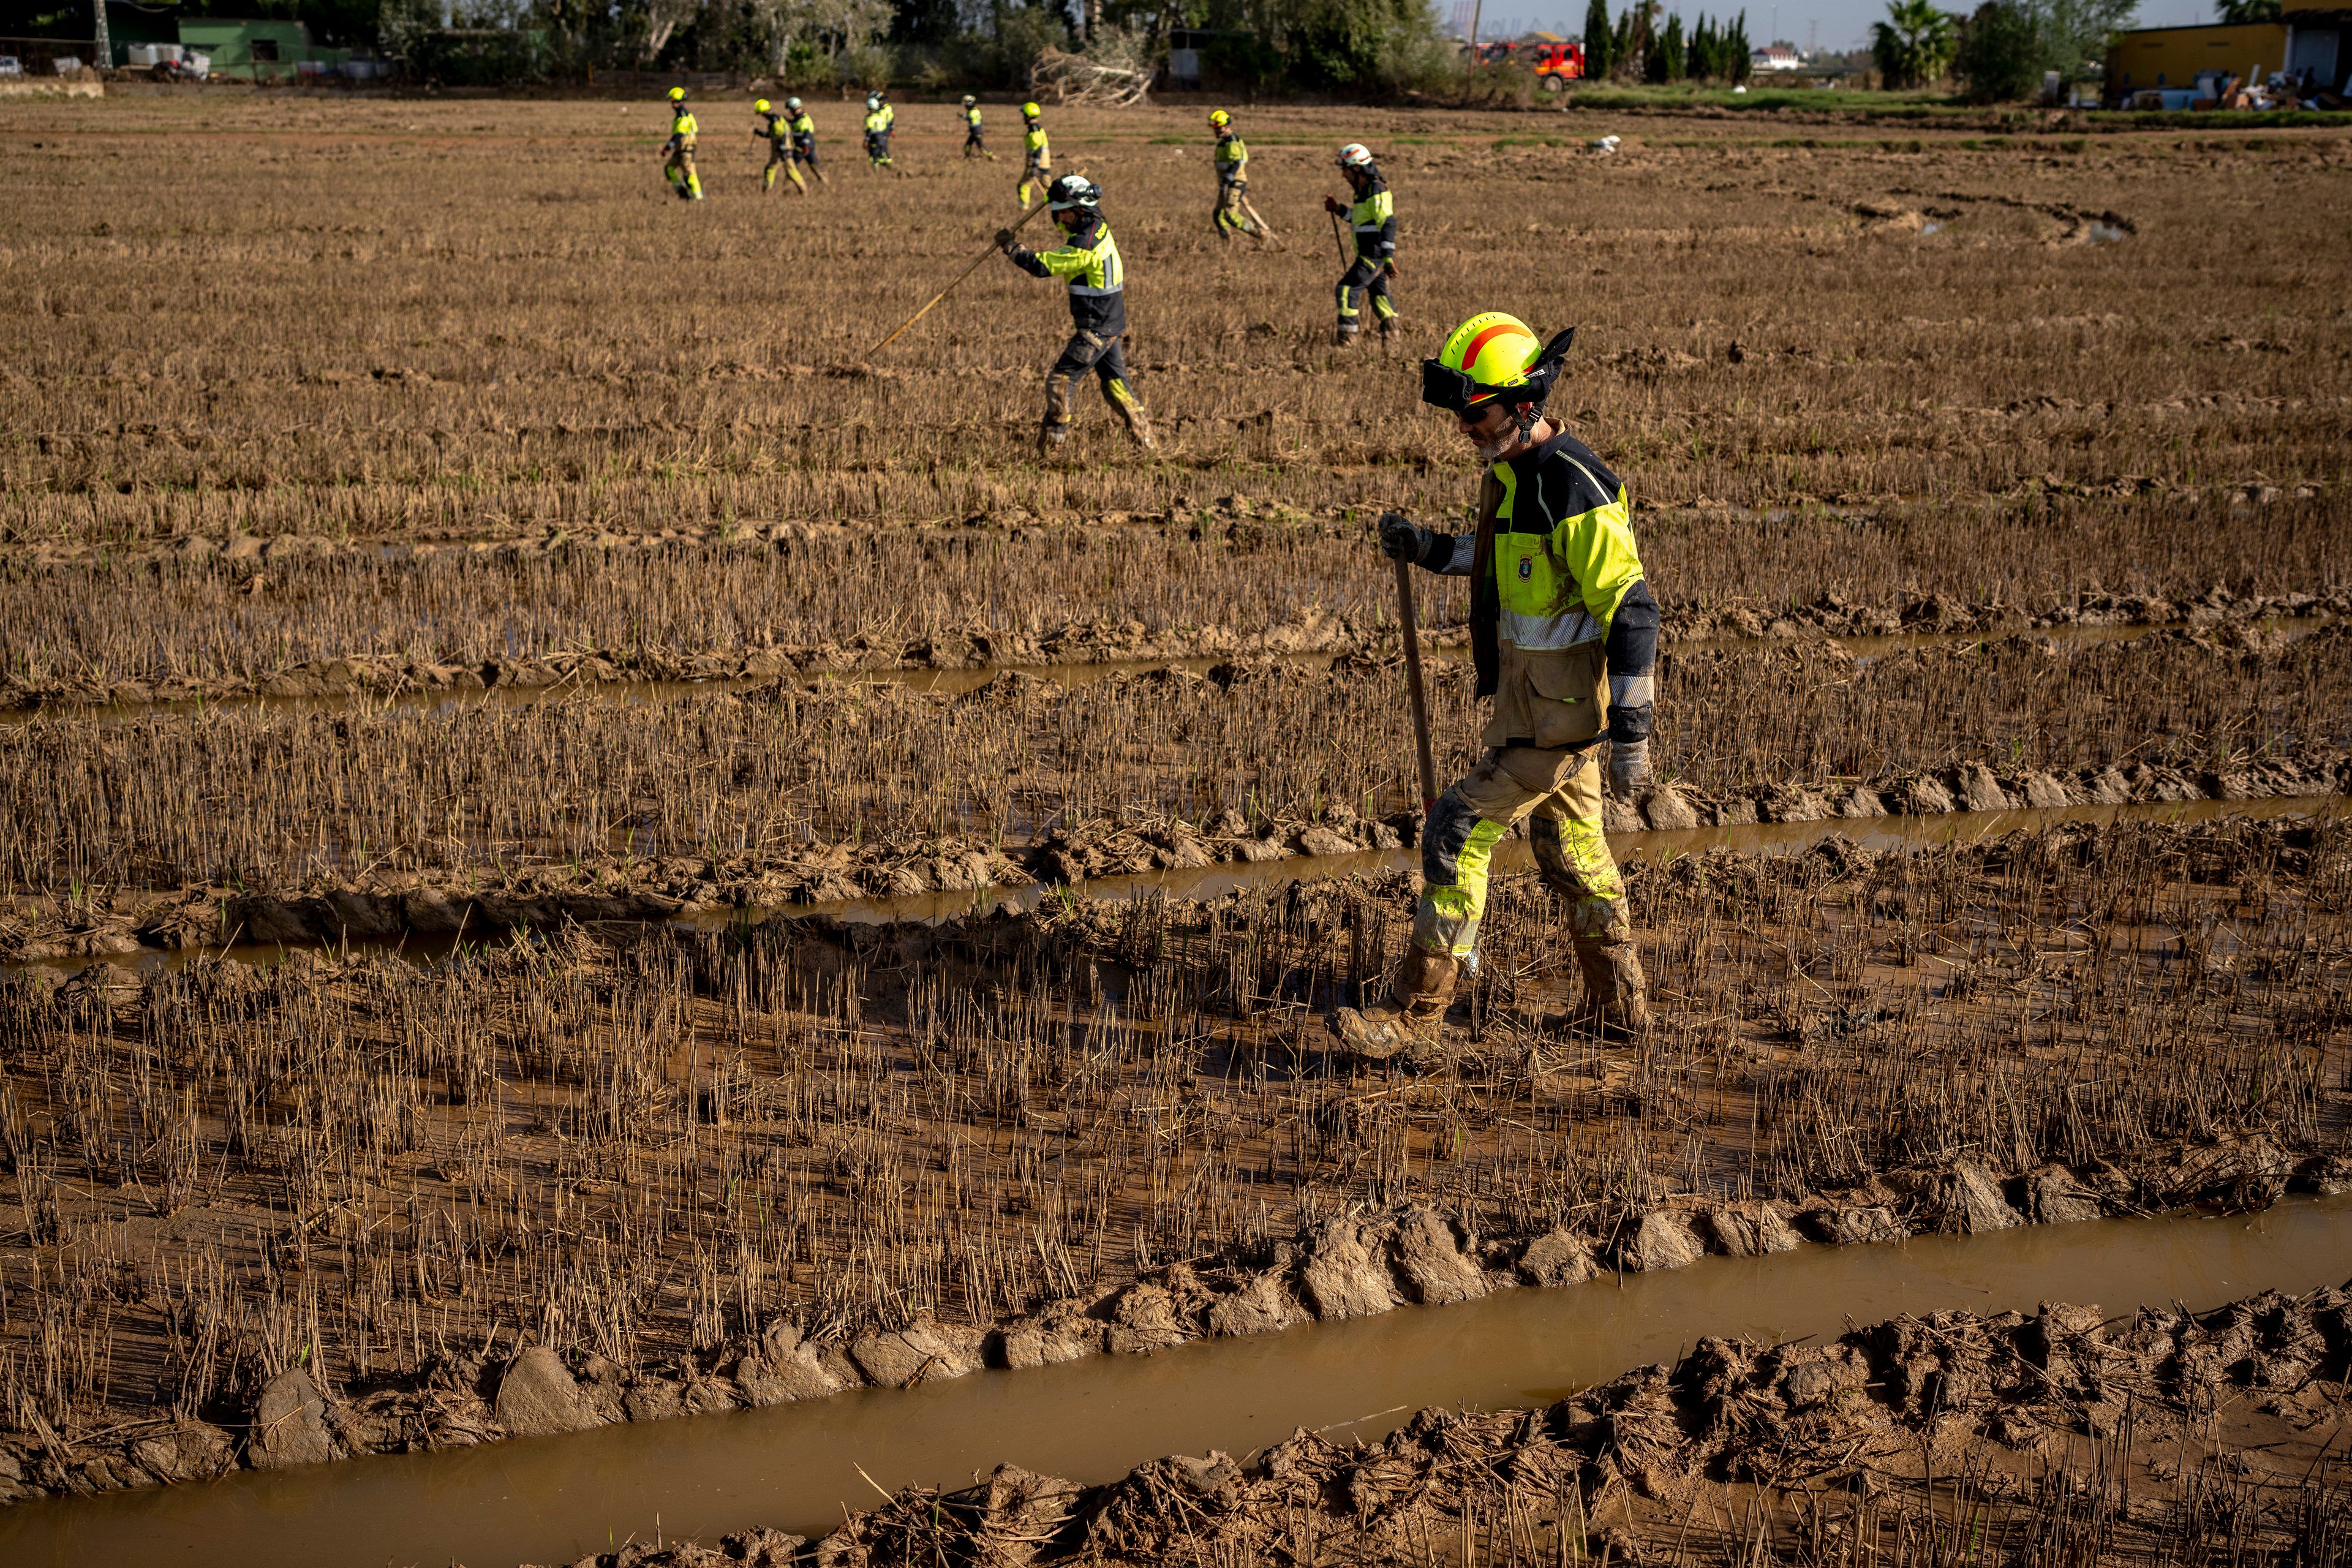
(1914, 45)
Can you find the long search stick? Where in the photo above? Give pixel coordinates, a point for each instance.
(1414, 688)
(1340, 240)
(960, 276)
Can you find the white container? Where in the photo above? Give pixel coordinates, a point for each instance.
(198, 65)
(66, 64)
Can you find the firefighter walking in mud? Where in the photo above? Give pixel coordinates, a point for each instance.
(1089, 257)
(778, 130)
(1036, 154)
(1564, 632)
(1372, 216)
(1233, 214)
(678, 159)
(879, 120)
(803, 134)
(975, 138)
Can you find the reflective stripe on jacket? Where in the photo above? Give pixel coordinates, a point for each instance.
(971, 117)
(682, 128)
(1090, 260)
(804, 130)
(1034, 140)
(1373, 217)
(878, 122)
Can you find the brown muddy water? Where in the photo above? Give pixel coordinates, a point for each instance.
(1885, 834)
(956, 682)
(799, 1467)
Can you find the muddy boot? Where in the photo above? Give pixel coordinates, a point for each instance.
(1344, 335)
(1411, 1017)
(1616, 993)
(1138, 424)
(1388, 332)
(1050, 437)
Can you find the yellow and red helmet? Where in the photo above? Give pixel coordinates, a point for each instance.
(677, 95)
(1492, 354)
(1220, 119)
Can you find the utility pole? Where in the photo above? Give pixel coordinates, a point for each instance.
(104, 44)
(1475, 7)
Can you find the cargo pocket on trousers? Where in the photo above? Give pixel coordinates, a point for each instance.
(1563, 696)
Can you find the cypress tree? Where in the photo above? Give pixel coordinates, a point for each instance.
(1597, 59)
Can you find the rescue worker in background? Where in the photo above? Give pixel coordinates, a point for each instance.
(779, 133)
(678, 164)
(1037, 157)
(1232, 180)
(804, 130)
(880, 117)
(1088, 257)
(1563, 630)
(975, 141)
(1372, 215)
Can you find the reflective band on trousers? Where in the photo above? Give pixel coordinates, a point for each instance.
(1091, 290)
(1548, 634)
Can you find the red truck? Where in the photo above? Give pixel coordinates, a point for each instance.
(1557, 65)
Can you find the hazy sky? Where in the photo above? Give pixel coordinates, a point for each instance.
(1837, 24)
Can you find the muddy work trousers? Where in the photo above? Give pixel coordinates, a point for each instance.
(877, 151)
(678, 169)
(1364, 277)
(779, 160)
(1107, 359)
(1232, 214)
(975, 145)
(1560, 790)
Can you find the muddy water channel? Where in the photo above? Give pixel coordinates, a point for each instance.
(797, 1467)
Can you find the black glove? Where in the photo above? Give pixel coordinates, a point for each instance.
(1005, 238)
(1333, 205)
(1388, 267)
(1401, 538)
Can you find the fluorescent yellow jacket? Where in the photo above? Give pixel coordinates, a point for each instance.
(682, 128)
(1232, 159)
(804, 130)
(1034, 140)
(1373, 217)
(971, 117)
(878, 122)
(1090, 258)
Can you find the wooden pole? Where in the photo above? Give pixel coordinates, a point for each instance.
(1414, 688)
(960, 276)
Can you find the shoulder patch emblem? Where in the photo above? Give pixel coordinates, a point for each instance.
(1526, 567)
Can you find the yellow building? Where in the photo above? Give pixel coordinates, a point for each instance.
(2304, 43)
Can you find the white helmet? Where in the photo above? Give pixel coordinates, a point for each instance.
(793, 104)
(873, 101)
(1355, 155)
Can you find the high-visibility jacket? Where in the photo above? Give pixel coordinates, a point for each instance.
(1558, 599)
(1372, 216)
(778, 130)
(1232, 159)
(971, 117)
(804, 130)
(877, 124)
(1097, 276)
(1033, 142)
(682, 128)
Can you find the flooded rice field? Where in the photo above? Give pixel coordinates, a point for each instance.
(613, 929)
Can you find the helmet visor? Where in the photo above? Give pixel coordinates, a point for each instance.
(1442, 386)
